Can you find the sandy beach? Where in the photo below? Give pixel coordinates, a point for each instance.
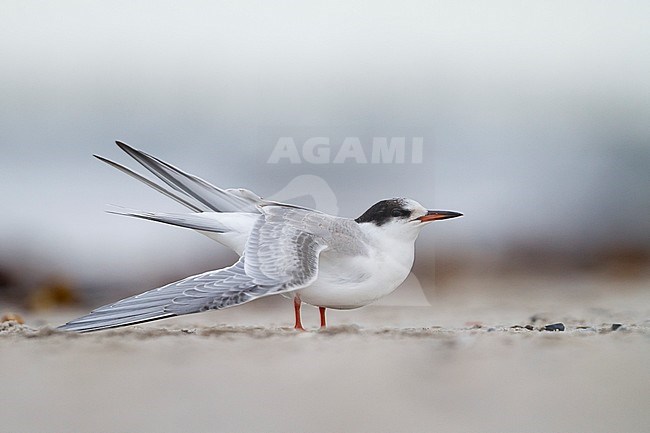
(467, 363)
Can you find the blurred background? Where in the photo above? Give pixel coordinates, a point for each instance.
(534, 121)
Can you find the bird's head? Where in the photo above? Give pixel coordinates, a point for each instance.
(402, 216)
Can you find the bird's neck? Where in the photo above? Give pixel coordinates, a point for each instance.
(393, 246)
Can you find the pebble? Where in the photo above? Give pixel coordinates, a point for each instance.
(554, 327)
(528, 327)
(615, 326)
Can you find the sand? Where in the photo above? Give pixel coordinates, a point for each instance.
(457, 366)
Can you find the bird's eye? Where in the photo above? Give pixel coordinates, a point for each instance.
(397, 212)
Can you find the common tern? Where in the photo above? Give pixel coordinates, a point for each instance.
(319, 259)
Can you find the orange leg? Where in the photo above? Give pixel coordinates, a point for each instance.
(321, 310)
(296, 309)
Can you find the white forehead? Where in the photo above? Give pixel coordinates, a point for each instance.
(413, 206)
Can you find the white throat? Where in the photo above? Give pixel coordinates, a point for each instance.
(395, 244)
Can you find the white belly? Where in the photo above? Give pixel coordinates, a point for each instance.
(355, 282)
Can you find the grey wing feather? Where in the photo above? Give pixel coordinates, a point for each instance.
(196, 207)
(208, 195)
(196, 221)
(270, 272)
(212, 290)
(197, 194)
(285, 243)
(167, 301)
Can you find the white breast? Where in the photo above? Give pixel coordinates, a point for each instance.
(354, 281)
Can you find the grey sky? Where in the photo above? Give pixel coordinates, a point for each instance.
(534, 117)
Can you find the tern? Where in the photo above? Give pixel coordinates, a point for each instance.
(319, 259)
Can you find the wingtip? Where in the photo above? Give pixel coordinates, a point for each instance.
(108, 161)
(82, 327)
(66, 327)
(122, 145)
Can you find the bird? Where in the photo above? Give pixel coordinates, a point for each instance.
(326, 261)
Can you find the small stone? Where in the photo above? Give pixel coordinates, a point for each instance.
(519, 327)
(554, 327)
(615, 326)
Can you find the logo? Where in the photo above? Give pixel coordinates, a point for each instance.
(323, 150)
